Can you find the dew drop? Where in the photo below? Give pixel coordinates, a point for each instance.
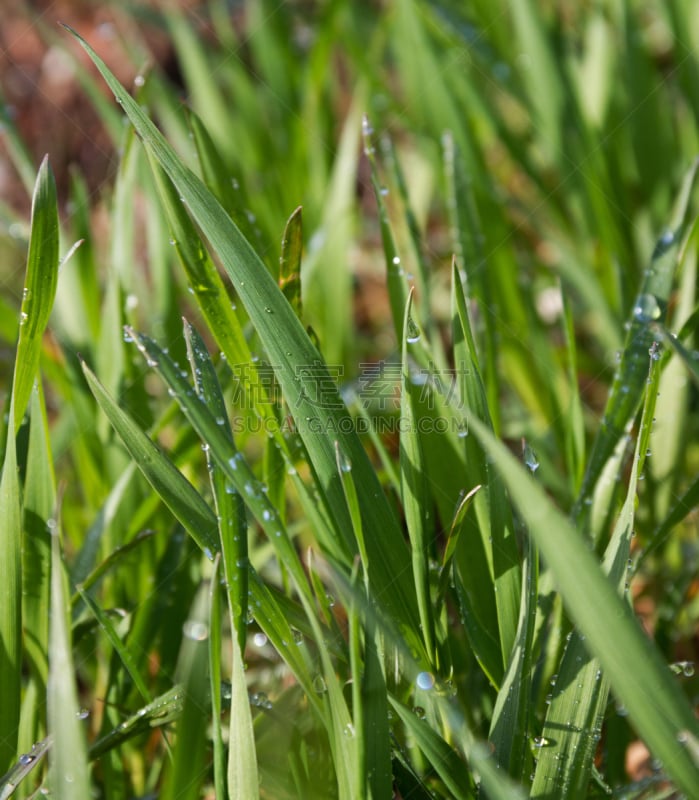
(25, 759)
(259, 639)
(319, 684)
(541, 741)
(425, 680)
(195, 630)
(412, 333)
(419, 712)
(646, 308)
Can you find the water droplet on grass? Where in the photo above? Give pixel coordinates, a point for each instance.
(412, 333)
(195, 630)
(647, 308)
(425, 680)
(319, 684)
(25, 759)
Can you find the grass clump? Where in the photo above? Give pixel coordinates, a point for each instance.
(270, 552)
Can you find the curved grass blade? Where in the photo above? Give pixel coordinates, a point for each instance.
(650, 308)
(637, 673)
(68, 765)
(300, 371)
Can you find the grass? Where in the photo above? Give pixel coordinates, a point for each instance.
(283, 549)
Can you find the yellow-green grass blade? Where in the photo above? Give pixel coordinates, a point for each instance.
(576, 709)
(414, 490)
(650, 308)
(68, 765)
(230, 508)
(39, 503)
(637, 673)
(39, 288)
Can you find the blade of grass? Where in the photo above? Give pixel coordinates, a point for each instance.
(414, 492)
(650, 307)
(579, 698)
(39, 287)
(186, 771)
(637, 673)
(230, 508)
(68, 765)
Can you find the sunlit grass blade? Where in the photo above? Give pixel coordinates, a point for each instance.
(649, 308)
(39, 287)
(230, 508)
(68, 765)
(637, 673)
(292, 354)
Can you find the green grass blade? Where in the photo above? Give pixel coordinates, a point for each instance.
(187, 770)
(10, 603)
(414, 491)
(649, 308)
(175, 490)
(491, 548)
(68, 765)
(39, 288)
(290, 261)
(38, 508)
(119, 647)
(579, 697)
(637, 673)
(219, 752)
(230, 507)
(511, 715)
(242, 774)
(445, 761)
(298, 366)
